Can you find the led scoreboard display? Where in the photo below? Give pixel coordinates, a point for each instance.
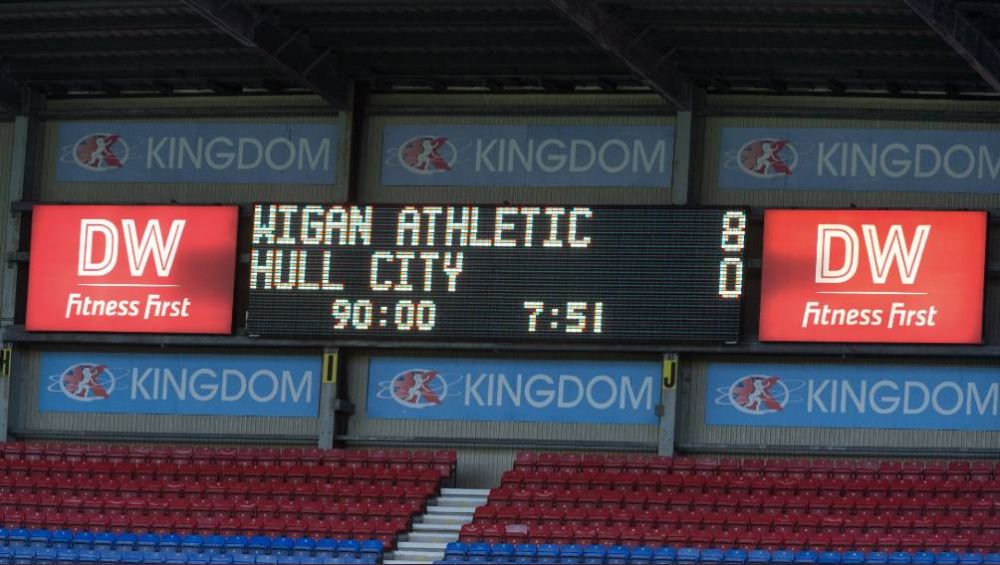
(599, 274)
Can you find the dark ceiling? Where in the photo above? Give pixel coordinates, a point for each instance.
(70, 48)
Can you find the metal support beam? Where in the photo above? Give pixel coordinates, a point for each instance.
(10, 93)
(682, 158)
(611, 35)
(290, 52)
(962, 35)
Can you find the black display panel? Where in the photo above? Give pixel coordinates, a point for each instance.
(601, 274)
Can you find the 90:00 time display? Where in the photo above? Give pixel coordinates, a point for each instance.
(407, 315)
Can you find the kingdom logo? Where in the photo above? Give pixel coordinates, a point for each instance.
(768, 158)
(426, 155)
(101, 152)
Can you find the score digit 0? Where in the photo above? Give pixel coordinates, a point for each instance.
(734, 230)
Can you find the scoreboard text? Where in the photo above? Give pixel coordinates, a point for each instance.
(497, 273)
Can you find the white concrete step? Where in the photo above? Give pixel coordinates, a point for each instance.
(473, 492)
(414, 557)
(445, 519)
(459, 502)
(420, 546)
(452, 510)
(447, 527)
(432, 537)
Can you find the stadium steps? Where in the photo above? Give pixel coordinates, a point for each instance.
(431, 532)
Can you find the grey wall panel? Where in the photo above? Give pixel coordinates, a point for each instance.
(485, 448)
(6, 151)
(27, 421)
(503, 110)
(172, 110)
(695, 435)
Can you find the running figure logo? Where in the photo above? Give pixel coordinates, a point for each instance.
(427, 155)
(758, 394)
(100, 152)
(418, 388)
(86, 382)
(763, 158)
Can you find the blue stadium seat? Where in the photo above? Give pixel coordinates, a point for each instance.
(853, 558)
(712, 555)
(640, 556)
(617, 555)
(87, 556)
(289, 560)
(303, 546)
(502, 553)
(110, 556)
(664, 556)
(830, 558)
(126, 541)
(782, 556)
(571, 553)
(266, 559)
(235, 544)
(148, 543)
(259, 545)
(83, 540)
(24, 555)
(594, 554)
(4, 533)
(46, 555)
(214, 544)
(687, 555)
(173, 557)
(133, 557)
(946, 558)
(220, 559)
(877, 557)
(735, 557)
(61, 539)
(456, 548)
(525, 553)
(373, 548)
(104, 540)
(281, 546)
(326, 547)
(970, 559)
(758, 556)
(923, 558)
(39, 538)
(199, 558)
(479, 552)
(547, 553)
(242, 558)
(192, 543)
(6, 554)
(900, 558)
(806, 557)
(18, 537)
(349, 548)
(152, 557)
(991, 559)
(170, 542)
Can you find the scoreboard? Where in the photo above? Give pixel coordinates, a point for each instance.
(555, 274)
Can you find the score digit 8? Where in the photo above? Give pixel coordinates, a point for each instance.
(734, 229)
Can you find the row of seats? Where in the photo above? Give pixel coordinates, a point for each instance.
(672, 536)
(595, 554)
(175, 542)
(755, 467)
(31, 556)
(62, 539)
(219, 491)
(743, 486)
(203, 508)
(696, 520)
(934, 506)
(381, 528)
(13, 472)
(246, 456)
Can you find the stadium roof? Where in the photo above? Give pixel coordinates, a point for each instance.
(108, 48)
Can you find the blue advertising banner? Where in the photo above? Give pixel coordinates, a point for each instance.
(853, 396)
(525, 156)
(859, 159)
(506, 390)
(197, 152)
(142, 383)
